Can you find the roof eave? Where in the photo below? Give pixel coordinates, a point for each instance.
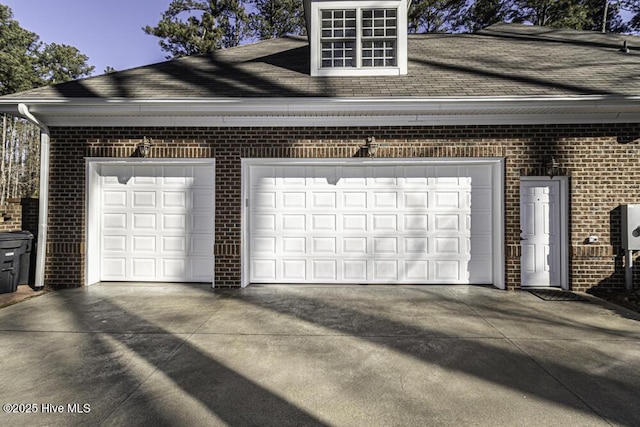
(314, 111)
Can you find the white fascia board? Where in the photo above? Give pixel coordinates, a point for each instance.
(338, 111)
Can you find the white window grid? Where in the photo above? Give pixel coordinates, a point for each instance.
(375, 47)
(379, 53)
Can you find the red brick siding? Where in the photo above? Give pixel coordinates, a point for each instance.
(603, 168)
(11, 215)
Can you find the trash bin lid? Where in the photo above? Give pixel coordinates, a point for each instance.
(16, 235)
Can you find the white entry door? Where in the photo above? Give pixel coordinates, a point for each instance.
(541, 226)
(362, 223)
(155, 222)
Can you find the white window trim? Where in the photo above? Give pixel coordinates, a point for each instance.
(401, 47)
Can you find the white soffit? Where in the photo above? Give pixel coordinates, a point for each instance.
(332, 111)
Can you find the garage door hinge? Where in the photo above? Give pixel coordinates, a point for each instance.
(246, 203)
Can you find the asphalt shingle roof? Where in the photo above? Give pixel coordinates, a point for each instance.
(503, 60)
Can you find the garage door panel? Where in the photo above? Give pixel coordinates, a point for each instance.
(354, 245)
(321, 176)
(143, 268)
(266, 199)
(294, 270)
(264, 245)
(354, 200)
(174, 268)
(446, 222)
(174, 244)
(354, 176)
(447, 200)
(294, 245)
(264, 222)
(385, 245)
(263, 270)
(180, 176)
(144, 199)
(416, 245)
(385, 200)
(174, 222)
(354, 222)
(385, 222)
(114, 221)
(446, 245)
(201, 268)
(114, 243)
(201, 244)
(144, 175)
(143, 243)
(203, 199)
(156, 218)
(323, 200)
(174, 200)
(203, 176)
(114, 199)
(114, 268)
(290, 200)
(293, 222)
(111, 175)
(416, 270)
(201, 223)
(415, 222)
(385, 271)
(324, 270)
(144, 221)
(324, 245)
(323, 222)
(447, 270)
(378, 224)
(355, 270)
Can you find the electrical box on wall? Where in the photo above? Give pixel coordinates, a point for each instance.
(630, 227)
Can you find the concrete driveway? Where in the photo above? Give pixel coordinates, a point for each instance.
(310, 355)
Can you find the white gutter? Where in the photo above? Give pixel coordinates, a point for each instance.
(391, 111)
(43, 216)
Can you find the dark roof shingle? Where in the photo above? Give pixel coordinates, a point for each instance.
(503, 60)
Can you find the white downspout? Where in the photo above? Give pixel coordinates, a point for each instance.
(43, 217)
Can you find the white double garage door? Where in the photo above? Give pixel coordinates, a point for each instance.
(312, 221)
(373, 221)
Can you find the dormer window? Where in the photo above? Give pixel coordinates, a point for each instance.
(367, 38)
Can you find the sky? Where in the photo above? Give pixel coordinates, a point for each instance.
(109, 32)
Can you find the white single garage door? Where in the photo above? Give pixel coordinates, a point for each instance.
(156, 222)
(365, 223)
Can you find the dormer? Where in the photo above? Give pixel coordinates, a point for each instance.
(357, 37)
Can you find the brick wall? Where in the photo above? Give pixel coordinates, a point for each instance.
(601, 161)
(11, 215)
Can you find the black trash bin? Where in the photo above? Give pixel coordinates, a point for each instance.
(15, 252)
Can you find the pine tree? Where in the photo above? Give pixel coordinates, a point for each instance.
(25, 63)
(189, 27)
(277, 18)
(436, 15)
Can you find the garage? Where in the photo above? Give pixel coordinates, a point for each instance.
(382, 221)
(151, 221)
